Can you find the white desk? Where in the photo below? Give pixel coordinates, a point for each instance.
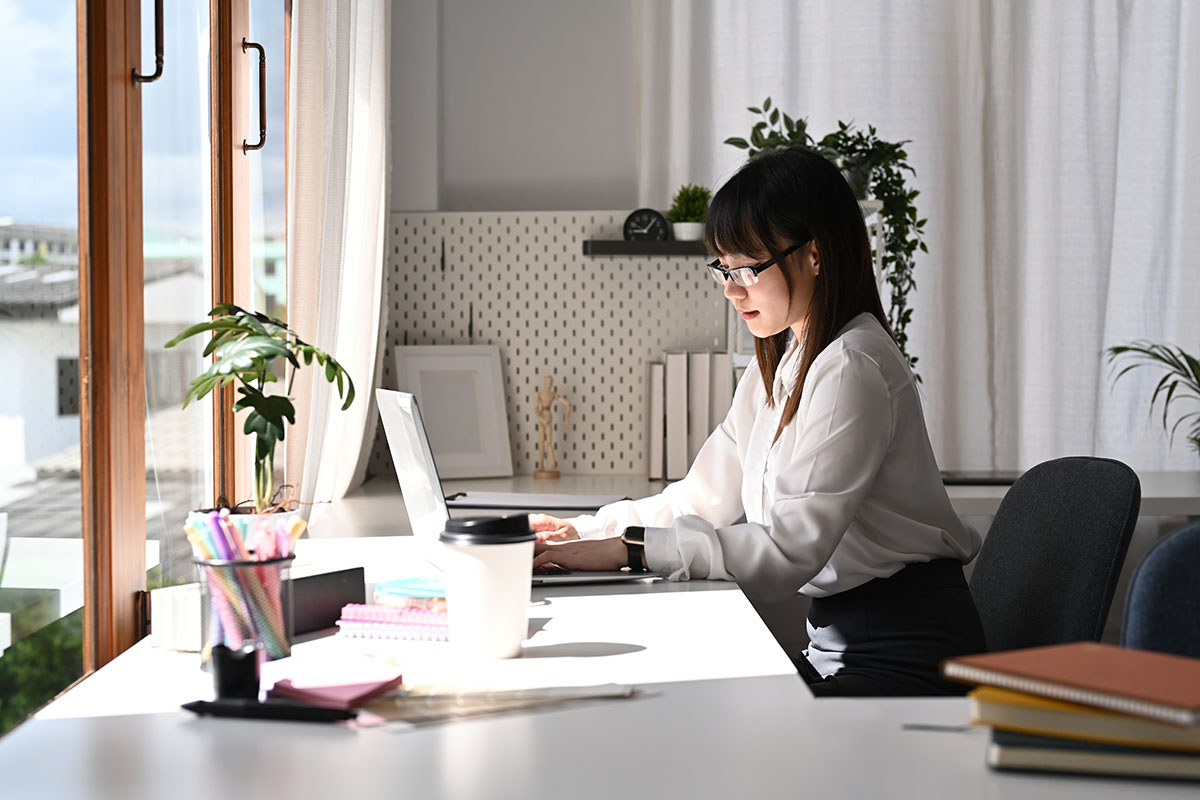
(721, 716)
(377, 509)
(1164, 494)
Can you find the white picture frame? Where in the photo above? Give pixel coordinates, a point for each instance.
(460, 390)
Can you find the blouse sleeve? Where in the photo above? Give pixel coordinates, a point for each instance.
(830, 468)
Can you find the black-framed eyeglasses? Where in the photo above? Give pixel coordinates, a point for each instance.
(747, 276)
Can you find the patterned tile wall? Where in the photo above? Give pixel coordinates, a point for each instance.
(520, 280)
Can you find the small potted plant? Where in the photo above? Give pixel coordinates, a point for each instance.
(247, 347)
(1181, 381)
(687, 212)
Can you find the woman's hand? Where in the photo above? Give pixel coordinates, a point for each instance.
(588, 554)
(552, 529)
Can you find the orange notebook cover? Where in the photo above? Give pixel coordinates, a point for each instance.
(1145, 684)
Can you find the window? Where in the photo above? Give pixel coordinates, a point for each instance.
(41, 546)
(177, 264)
(77, 255)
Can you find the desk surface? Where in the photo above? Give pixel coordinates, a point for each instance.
(720, 716)
(376, 509)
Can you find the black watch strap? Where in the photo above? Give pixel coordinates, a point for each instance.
(634, 538)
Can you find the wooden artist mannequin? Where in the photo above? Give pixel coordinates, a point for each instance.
(543, 403)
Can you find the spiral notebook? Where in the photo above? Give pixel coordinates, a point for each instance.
(1139, 682)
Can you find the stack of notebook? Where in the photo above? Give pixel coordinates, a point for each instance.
(362, 621)
(412, 608)
(418, 591)
(1087, 707)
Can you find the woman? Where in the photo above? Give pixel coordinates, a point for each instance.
(821, 479)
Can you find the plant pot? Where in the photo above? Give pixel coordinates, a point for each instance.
(687, 231)
(859, 179)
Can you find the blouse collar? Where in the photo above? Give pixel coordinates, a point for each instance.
(786, 372)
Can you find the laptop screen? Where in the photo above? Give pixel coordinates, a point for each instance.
(419, 482)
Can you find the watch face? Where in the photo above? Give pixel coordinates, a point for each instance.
(646, 224)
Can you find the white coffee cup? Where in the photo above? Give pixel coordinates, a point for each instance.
(487, 563)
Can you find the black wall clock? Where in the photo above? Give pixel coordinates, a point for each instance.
(645, 224)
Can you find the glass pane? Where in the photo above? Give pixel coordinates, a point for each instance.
(41, 546)
(176, 213)
(268, 200)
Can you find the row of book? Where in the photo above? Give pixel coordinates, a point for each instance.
(688, 395)
(1087, 707)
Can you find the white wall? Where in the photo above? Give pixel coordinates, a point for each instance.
(29, 402)
(513, 105)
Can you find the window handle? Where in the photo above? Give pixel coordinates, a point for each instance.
(262, 96)
(158, 48)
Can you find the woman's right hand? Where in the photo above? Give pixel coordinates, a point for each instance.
(552, 529)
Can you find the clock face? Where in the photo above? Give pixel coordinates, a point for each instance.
(646, 224)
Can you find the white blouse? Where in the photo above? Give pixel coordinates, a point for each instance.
(849, 492)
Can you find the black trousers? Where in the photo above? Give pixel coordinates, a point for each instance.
(888, 636)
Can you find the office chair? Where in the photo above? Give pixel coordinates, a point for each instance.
(1049, 565)
(1162, 611)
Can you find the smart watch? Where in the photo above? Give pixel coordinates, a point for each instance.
(634, 538)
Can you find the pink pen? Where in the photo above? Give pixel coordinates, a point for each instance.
(264, 540)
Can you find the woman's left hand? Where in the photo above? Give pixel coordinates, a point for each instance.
(585, 554)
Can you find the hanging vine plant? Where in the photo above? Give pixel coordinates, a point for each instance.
(876, 170)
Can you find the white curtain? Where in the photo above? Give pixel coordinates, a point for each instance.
(336, 215)
(1054, 143)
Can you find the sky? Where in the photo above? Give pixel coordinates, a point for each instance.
(37, 92)
(38, 157)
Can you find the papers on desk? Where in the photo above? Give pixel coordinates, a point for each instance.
(421, 705)
(521, 500)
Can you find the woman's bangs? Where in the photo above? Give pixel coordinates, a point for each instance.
(736, 227)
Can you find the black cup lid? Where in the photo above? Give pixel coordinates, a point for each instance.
(488, 530)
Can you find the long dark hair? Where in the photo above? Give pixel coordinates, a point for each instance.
(789, 197)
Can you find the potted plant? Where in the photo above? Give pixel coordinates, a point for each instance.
(1182, 380)
(876, 169)
(687, 212)
(248, 347)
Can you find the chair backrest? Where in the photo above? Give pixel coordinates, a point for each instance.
(1050, 562)
(1162, 611)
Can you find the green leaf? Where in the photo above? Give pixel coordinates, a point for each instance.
(755, 110)
(767, 104)
(738, 142)
(775, 116)
(200, 327)
(242, 354)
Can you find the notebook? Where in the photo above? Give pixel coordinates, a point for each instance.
(1010, 750)
(1028, 713)
(424, 500)
(1139, 682)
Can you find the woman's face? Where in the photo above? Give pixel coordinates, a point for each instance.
(767, 306)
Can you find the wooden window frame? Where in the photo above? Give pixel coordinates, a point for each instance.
(229, 22)
(111, 306)
(111, 327)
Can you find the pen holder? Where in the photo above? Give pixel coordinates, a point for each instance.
(243, 602)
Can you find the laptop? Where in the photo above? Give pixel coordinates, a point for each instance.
(424, 499)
